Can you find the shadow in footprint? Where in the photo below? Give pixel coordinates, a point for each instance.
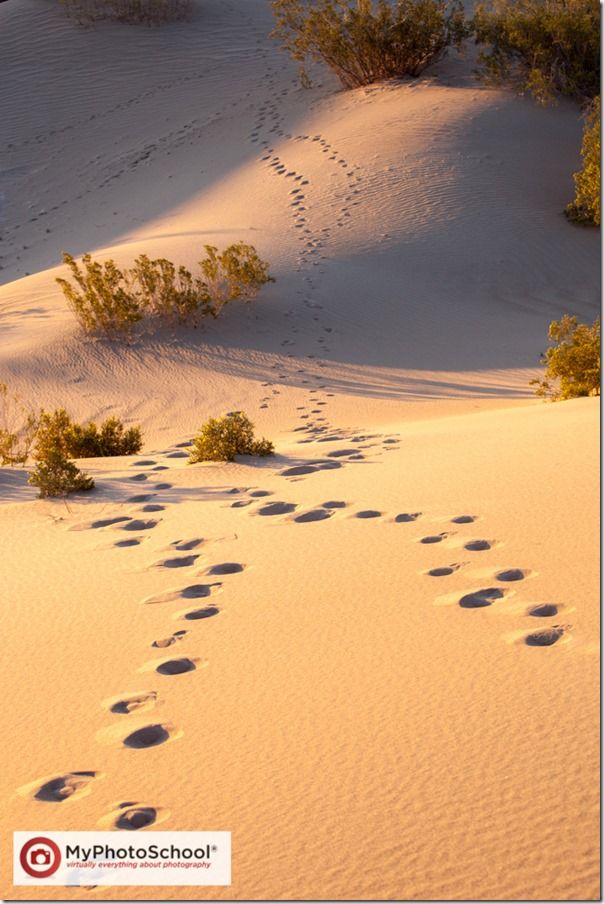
(434, 538)
(545, 610)
(463, 519)
(186, 545)
(477, 545)
(512, 574)
(135, 818)
(407, 517)
(64, 786)
(178, 562)
(334, 504)
(299, 470)
(149, 736)
(368, 513)
(443, 571)
(197, 614)
(124, 544)
(176, 666)
(277, 508)
(316, 515)
(545, 638)
(225, 568)
(479, 599)
(139, 524)
(132, 704)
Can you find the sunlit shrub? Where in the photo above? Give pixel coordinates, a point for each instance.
(573, 363)
(586, 206)
(109, 301)
(222, 438)
(57, 475)
(544, 47)
(364, 41)
(57, 432)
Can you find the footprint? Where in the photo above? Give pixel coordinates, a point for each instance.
(177, 666)
(163, 486)
(434, 538)
(153, 507)
(142, 464)
(544, 610)
(144, 497)
(198, 614)
(57, 789)
(139, 477)
(443, 571)
(149, 736)
(463, 519)
(186, 545)
(341, 453)
(334, 504)
(132, 816)
(225, 568)
(123, 706)
(315, 515)
(124, 544)
(258, 494)
(277, 508)
(299, 470)
(477, 545)
(369, 513)
(192, 592)
(169, 641)
(407, 517)
(140, 525)
(177, 562)
(511, 574)
(479, 599)
(545, 638)
(103, 522)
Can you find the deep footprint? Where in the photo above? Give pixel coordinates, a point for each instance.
(132, 704)
(407, 517)
(197, 614)
(545, 610)
(176, 666)
(149, 736)
(545, 638)
(226, 568)
(481, 598)
(512, 574)
(64, 786)
(477, 545)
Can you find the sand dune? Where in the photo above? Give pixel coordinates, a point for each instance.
(373, 656)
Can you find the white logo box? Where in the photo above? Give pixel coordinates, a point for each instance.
(121, 858)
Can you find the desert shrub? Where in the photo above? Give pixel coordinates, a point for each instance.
(222, 438)
(573, 363)
(102, 298)
(586, 206)
(235, 273)
(57, 475)
(147, 12)
(168, 292)
(364, 41)
(545, 47)
(57, 432)
(109, 301)
(18, 426)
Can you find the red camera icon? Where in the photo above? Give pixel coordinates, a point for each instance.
(40, 857)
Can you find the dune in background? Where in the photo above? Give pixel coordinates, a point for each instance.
(373, 658)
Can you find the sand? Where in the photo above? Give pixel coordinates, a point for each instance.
(366, 729)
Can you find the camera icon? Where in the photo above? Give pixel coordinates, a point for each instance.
(40, 857)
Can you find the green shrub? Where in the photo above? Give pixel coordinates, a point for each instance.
(101, 299)
(109, 301)
(18, 426)
(56, 475)
(148, 12)
(573, 363)
(364, 41)
(586, 206)
(236, 273)
(222, 438)
(57, 432)
(545, 47)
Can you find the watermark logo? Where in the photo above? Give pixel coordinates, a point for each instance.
(40, 857)
(118, 858)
